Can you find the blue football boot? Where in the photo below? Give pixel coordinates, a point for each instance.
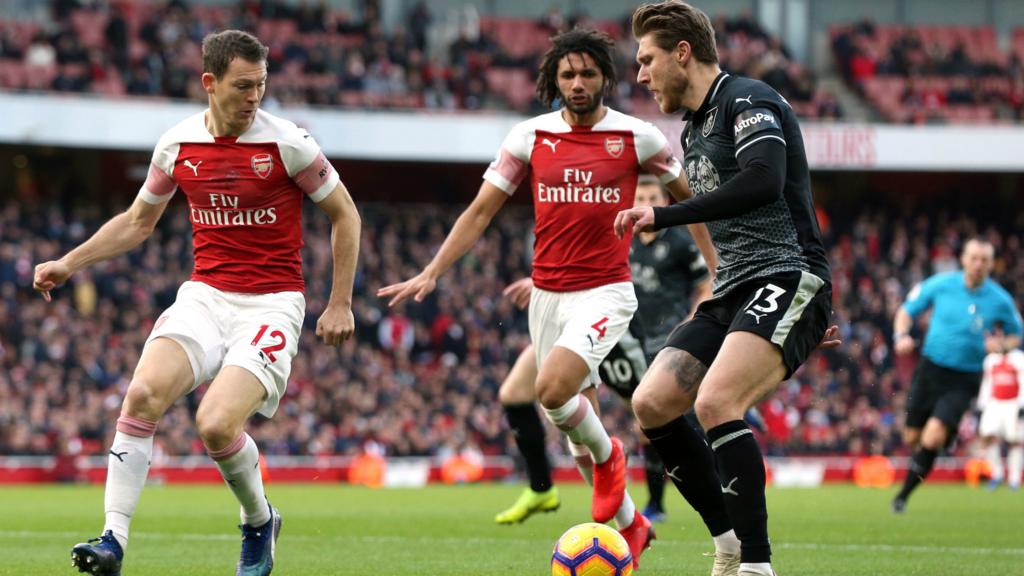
(258, 546)
(100, 556)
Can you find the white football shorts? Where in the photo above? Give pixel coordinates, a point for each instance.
(257, 332)
(587, 322)
(1001, 419)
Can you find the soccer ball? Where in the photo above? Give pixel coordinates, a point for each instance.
(591, 550)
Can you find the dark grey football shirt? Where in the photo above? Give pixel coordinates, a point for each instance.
(665, 274)
(782, 236)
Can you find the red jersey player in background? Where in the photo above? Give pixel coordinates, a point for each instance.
(1001, 401)
(583, 162)
(237, 321)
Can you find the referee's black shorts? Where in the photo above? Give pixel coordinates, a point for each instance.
(789, 309)
(940, 392)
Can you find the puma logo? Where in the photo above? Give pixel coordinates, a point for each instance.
(119, 455)
(747, 99)
(672, 474)
(548, 142)
(728, 488)
(194, 167)
(589, 337)
(757, 317)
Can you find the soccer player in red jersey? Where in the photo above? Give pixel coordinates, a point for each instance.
(1001, 401)
(236, 322)
(583, 162)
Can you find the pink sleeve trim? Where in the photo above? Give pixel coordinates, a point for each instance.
(663, 164)
(507, 171)
(158, 182)
(313, 179)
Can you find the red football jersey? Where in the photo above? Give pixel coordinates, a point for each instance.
(580, 178)
(1002, 377)
(245, 199)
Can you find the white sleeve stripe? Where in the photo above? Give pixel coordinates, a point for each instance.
(494, 177)
(153, 199)
(667, 177)
(758, 139)
(325, 190)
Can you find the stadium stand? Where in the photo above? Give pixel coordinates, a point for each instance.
(930, 74)
(423, 378)
(329, 57)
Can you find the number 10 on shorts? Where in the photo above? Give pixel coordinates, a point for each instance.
(279, 343)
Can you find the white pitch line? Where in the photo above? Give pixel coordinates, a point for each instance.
(898, 548)
(894, 548)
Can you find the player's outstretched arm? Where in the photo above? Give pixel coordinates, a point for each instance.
(760, 181)
(117, 236)
(337, 323)
(680, 190)
(467, 230)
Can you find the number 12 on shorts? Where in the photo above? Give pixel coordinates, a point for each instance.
(276, 346)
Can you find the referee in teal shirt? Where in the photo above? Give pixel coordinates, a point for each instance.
(971, 316)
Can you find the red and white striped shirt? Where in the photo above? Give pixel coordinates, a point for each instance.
(580, 178)
(245, 198)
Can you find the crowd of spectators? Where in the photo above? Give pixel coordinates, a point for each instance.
(422, 379)
(322, 56)
(933, 74)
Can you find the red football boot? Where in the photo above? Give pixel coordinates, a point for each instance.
(609, 484)
(638, 535)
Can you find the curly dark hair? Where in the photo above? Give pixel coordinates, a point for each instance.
(576, 41)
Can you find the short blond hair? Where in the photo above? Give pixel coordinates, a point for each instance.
(673, 22)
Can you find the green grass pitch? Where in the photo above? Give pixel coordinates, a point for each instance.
(342, 530)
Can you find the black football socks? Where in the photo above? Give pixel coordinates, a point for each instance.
(689, 463)
(742, 477)
(529, 433)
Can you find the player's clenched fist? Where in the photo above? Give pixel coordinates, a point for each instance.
(639, 219)
(336, 325)
(49, 275)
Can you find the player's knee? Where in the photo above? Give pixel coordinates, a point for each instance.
(144, 399)
(646, 407)
(934, 439)
(711, 411)
(553, 394)
(513, 392)
(215, 428)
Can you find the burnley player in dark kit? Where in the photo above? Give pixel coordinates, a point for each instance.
(745, 163)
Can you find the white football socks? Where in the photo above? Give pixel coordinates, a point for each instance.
(127, 468)
(239, 464)
(758, 568)
(584, 461)
(581, 424)
(1015, 465)
(994, 455)
(727, 543)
